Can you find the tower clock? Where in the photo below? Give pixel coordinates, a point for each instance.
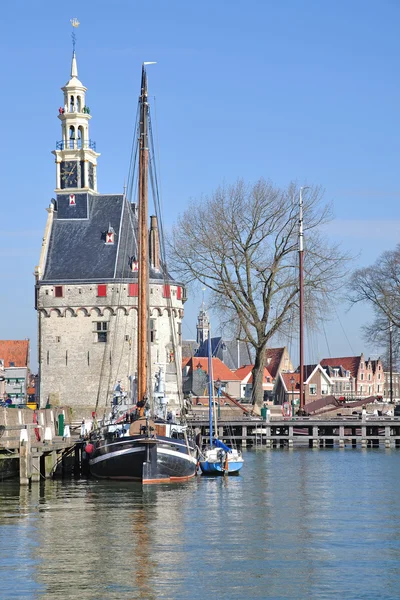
(69, 174)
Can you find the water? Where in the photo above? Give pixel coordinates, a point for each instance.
(296, 524)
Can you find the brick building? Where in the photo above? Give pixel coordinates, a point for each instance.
(365, 377)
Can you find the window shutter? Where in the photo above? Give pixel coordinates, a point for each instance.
(179, 293)
(58, 291)
(101, 291)
(167, 291)
(133, 289)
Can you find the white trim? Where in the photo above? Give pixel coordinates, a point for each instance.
(191, 459)
(93, 461)
(160, 450)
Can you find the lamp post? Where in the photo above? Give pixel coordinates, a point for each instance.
(292, 382)
(218, 388)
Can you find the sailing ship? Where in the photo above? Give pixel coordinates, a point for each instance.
(218, 458)
(141, 442)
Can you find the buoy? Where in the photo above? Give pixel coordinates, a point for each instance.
(89, 448)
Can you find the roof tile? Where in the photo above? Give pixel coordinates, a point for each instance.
(14, 351)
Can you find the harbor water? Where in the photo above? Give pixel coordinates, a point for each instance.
(295, 524)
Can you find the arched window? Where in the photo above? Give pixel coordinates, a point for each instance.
(72, 136)
(78, 104)
(81, 137)
(72, 104)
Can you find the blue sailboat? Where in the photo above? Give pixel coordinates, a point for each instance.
(218, 459)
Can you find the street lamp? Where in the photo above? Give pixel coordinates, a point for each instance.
(218, 388)
(292, 382)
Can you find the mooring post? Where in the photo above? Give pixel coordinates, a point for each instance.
(387, 436)
(244, 436)
(25, 457)
(341, 436)
(50, 463)
(35, 465)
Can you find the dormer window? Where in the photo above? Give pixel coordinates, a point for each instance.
(110, 236)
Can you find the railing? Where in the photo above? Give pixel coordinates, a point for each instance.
(75, 145)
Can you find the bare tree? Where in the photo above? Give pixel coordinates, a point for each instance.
(379, 286)
(378, 332)
(242, 243)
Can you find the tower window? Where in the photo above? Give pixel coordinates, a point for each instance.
(101, 291)
(179, 293)
(167, 291)
(101, 330)
(58, 291)
(153, 330)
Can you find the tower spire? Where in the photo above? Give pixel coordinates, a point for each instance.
(74, 68)
(75, 153)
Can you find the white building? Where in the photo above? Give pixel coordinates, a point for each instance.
(86, 280)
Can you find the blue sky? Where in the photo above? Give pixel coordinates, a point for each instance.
(304, 90)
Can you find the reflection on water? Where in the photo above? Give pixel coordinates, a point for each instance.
(295, 524)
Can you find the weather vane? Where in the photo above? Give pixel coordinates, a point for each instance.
(75, 23)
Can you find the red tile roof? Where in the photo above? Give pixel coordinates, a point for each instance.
(350, 363)
(287, 380)
(220, 370)
(246, 369)
(14, 351)
(273, 358)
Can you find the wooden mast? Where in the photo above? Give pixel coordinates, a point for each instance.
(301, 286)
(143, 271)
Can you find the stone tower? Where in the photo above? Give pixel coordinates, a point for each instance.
(86, 281)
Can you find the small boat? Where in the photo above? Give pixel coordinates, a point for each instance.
(142, 442)
(218, 458)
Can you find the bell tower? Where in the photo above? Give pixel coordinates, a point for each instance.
(75, 153)
(203, 325)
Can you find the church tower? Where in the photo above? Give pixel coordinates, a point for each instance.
(76, 156)
(203, 326)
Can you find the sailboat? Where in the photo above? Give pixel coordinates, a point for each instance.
(141, 443)
(218, 458)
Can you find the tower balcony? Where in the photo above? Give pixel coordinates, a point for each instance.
(76, 145)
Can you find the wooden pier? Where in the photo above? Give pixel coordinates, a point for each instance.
(36, 450)
(341, 432)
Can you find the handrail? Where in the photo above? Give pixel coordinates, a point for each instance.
(75, 145)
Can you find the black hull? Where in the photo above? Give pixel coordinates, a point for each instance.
(143, 459)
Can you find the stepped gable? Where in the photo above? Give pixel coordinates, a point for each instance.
(77, 249)
(273, 357)
(14, 351)
(374, 364)
(350, 363)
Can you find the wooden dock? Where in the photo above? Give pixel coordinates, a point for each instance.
(35, 450)
(341, 432)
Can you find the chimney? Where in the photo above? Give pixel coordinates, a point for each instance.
(154, 244)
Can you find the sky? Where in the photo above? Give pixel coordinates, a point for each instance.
(291, 90)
